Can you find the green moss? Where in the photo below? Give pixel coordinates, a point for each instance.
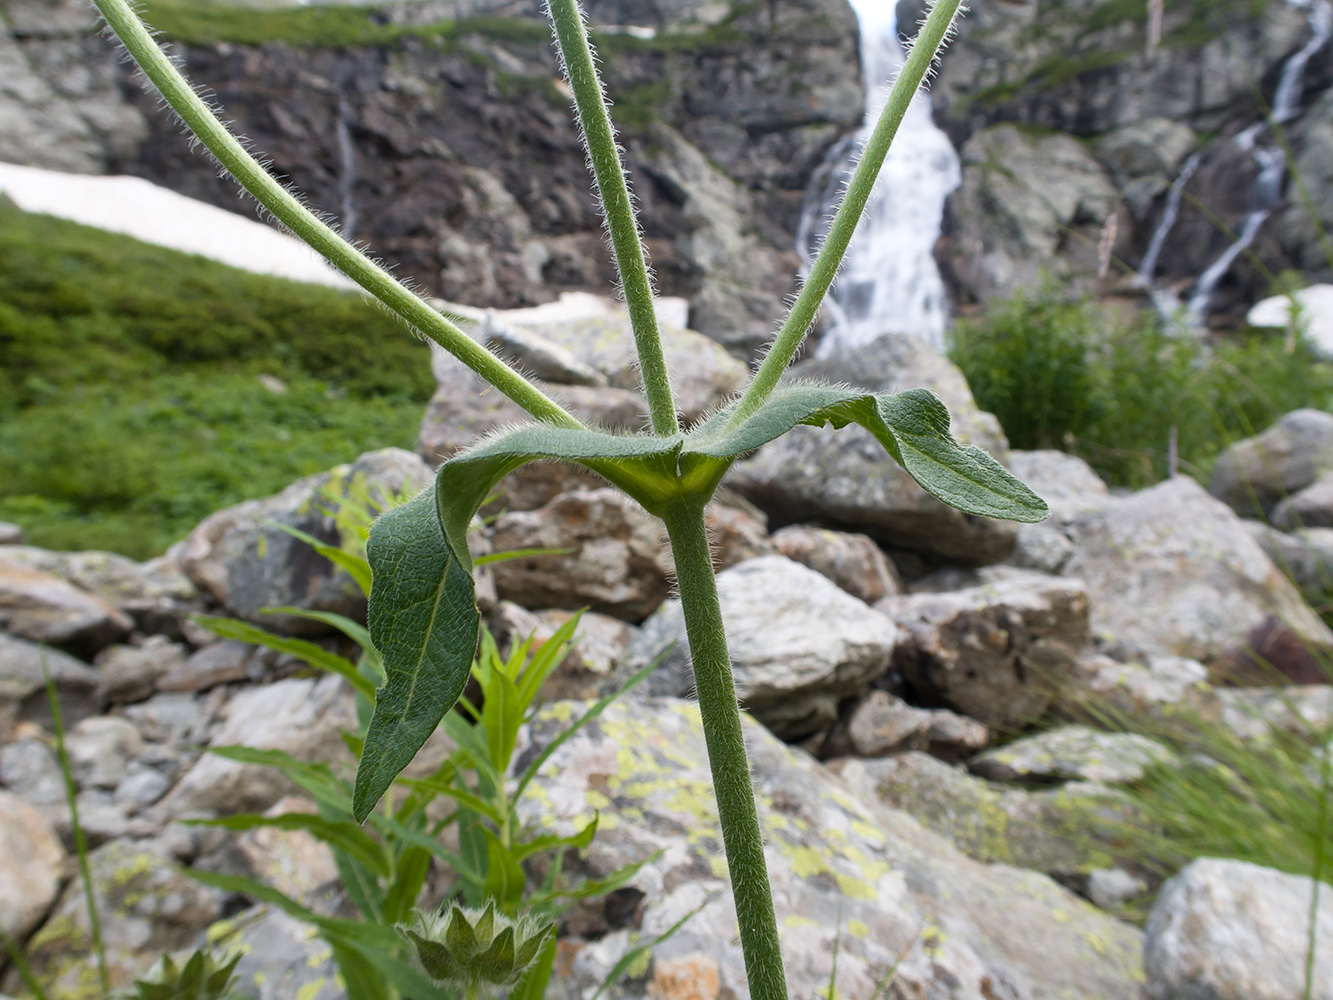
(638, 107)
(130, 404)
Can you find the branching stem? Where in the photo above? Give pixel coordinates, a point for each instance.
(409, 307)
(727, 757)
(604, 155)
(802, 314)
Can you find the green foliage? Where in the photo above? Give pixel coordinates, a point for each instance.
(129, 401)
(199, 979)
(1082, 378)
(470, 947)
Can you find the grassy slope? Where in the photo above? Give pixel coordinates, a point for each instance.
(130, 404)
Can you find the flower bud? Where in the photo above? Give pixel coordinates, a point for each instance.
(470, 947)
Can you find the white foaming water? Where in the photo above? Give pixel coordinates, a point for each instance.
(889, 281)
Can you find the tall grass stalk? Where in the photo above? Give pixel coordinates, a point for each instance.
(80, 841)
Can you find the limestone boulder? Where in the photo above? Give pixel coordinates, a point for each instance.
(1073, 753)
(146, 906)
(131, 673)
(31, 866)
(1231, 930)
(1311, 507)
(1162, 689)
(1254, 475)
(23, 685)
(799, 644)
(305, 717)
(246, 562)
(854, 562)
(618, 562)
(1058, 831)
(882, 723)
(280, 956)
(1213, 592)
(156, 593)
(43, 608)
(1000, 651)
(642, 767)
(1305, 556)
(845, 477)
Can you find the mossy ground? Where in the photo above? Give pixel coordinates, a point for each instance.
(131, 404)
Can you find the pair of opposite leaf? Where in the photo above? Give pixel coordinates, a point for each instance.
(423, 613)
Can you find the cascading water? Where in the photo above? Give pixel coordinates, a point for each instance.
(889, 281)
(1266, 194)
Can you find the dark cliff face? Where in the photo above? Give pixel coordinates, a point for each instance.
(455, 156)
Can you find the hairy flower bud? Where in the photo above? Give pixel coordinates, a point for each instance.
(470, 947)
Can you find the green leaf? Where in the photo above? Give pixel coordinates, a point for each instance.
(501, 714)
(504, 877)
(550, 841)
(913, 426)
(533, 984)
(409, 876)
(317, 779)
(355, 631)
(424, 621)
(315, 656)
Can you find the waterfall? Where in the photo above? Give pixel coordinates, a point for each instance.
(889, 281)
(346, 152)
(1266, 194)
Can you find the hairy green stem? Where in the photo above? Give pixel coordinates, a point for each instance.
(409, 307)
(604, 155)
(727, 757)
(802, 314)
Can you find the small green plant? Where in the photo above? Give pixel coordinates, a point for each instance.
(200, 978)
(423, 616)
(384, 868)
(467, 948)
(1082, 378)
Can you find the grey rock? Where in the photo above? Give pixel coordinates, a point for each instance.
(23, 685)
(1230, 930)
(178, 720)
(1162, 689)
(1073, 753)
(1110, 888)
(29, 769)
(1022, 198)
(31, 865)
(1254, 475)
(1311, 507)
(882, 724)
(1175, 549)
(10, 534)
(130, 673)
(43, 608)
(1144, 156)
(100, 750)
(219, 662)
(1058, 831)
(598, 646)
(799, 644)
(304, 717)
(146, 905)
(999, 652)
(854, 562)
(704, 373)
(737, 530)
(1041, 547)
(295, 862)
(140, 788)
(643, 765)
(1256, 714)
(1065, 482)
(464, 409)
(534, 354)
(247, 563)
(281, 956)
(1305, 556)
(1299, 231)
(156, 593)
(101, 819)
(845, 476)
(619, 564)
